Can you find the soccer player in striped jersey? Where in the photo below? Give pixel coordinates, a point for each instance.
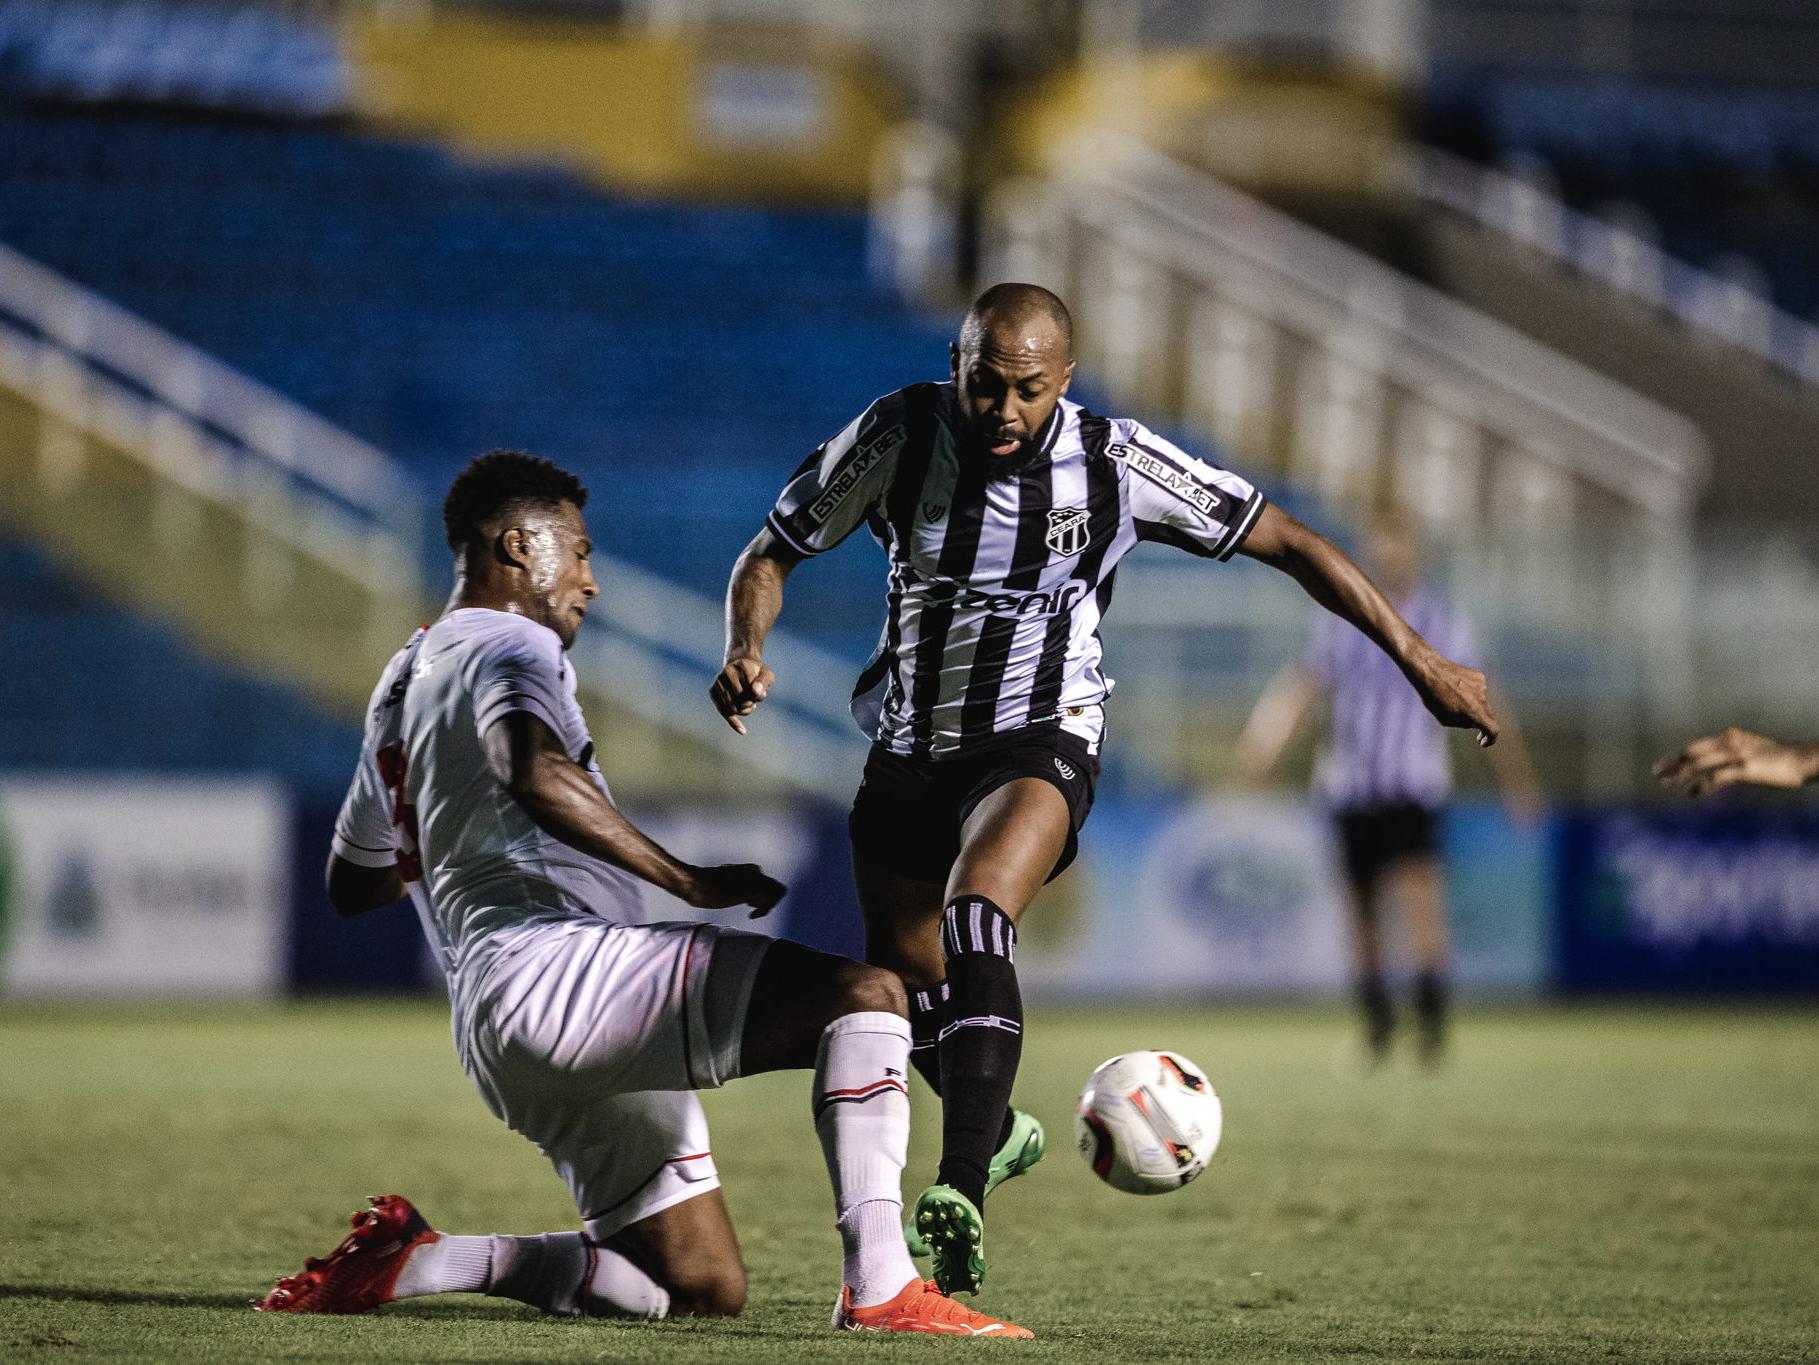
(1003, 510)
(1385, 775)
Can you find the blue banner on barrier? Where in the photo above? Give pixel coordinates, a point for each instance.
(1720, 900)
(1497, 898)
(1242, 894)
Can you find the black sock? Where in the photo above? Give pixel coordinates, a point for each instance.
(1379, 1015)
(1430, 1005)
(927, 1013)
(981, 1043)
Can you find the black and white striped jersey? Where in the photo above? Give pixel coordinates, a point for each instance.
(997, 586)
(1385, 749)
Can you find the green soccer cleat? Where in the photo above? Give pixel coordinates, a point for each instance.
(955, 1234)
(1021, 1150)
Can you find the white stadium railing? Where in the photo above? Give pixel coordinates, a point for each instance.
(200, 426)
(1281, 340)
(1619, 252)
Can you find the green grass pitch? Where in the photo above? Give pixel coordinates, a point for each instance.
(1604, 1184)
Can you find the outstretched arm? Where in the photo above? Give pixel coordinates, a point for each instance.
(564, 800)
(1275, 720)
(1454, 693)
(1733, 756)
(754, 598)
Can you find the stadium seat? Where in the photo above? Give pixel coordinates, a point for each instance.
(109, 688)
(1724, 173)
(439, 307)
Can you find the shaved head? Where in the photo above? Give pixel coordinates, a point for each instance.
(1011, 364)
(1018, 316)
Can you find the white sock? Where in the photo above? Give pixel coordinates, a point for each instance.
(862, 1118)
(618, 1289)
(559, 1272)
(448, 1265)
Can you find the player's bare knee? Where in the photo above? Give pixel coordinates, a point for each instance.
(716, 1292)
(862, 987)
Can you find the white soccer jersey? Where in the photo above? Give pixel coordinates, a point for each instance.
(481, 874)
(1386, 748)
(997, 586)
(582, 1028)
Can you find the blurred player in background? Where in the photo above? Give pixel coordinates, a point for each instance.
(479, 795)
(1732, 757)
(1385, 775)
(1004, 510)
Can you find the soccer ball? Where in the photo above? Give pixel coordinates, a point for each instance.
(1148, 1122)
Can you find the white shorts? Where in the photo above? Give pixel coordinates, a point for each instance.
(591, 1042)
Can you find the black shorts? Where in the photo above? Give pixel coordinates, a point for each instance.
(908, 813)
(1373, 837)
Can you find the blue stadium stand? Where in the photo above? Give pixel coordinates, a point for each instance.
(1721, 171)
(94, 687)
(683, 357)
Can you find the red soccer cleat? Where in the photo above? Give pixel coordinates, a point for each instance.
(359, 1274)
(921, 1307)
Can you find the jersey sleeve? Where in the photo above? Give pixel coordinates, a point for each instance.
(1181, 501)
(520, 669)
(833, 490)
(364, 833)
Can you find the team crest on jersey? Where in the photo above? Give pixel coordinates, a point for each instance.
(1069, 530)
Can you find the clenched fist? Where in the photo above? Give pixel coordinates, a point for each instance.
(715, 888)
(1457, 696)
(741, 685)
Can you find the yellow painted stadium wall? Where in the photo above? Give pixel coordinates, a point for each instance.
(1265, 129)
(629, 108)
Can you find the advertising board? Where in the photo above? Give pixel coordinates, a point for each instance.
(143, 886)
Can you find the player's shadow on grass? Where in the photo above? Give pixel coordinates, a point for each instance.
(151, 1298)
(71, 1293)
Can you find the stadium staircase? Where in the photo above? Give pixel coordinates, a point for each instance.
(1661, 236)
(1313, 359)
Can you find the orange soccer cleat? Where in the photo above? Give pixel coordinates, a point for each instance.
(359, 1274)
(921, 1307)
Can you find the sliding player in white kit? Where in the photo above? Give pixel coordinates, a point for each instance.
(479, 796)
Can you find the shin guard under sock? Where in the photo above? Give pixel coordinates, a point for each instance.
(861, 1100)
(927, 1013)
(982, 1041)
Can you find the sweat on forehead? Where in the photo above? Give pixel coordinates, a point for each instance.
(1017, 318)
